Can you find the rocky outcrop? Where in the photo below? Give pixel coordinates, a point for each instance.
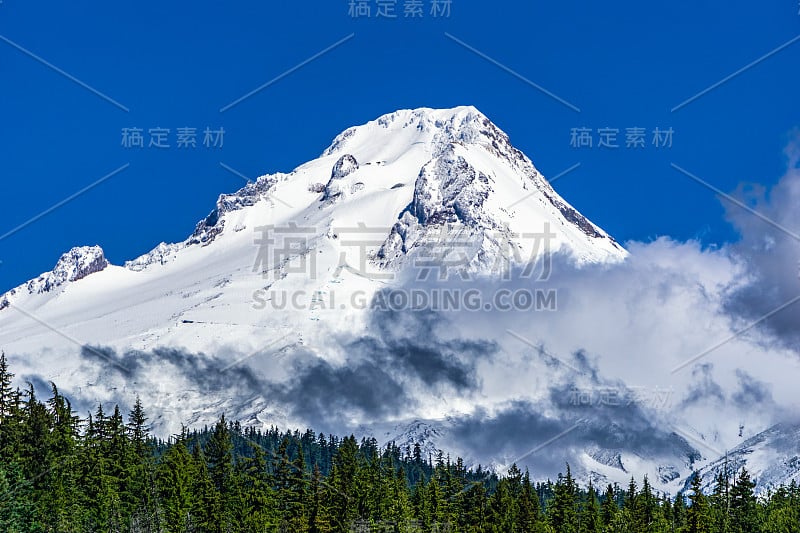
(74, 265)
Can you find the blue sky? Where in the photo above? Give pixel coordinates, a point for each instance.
(177, 64)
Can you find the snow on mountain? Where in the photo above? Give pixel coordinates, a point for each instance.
(270, 283)
(772, 457)
(600, 465)
(407, 178)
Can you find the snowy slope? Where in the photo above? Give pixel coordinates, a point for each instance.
(224, 322)
(772, 457)
(410, 177)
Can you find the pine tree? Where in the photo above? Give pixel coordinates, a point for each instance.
(138, 432)
(743, 504)
(529, 515)
(720, 502)
(679, 513)
(590, 519)
(290, 483)
(630, 497)
(319, 514)
(59, 501)
(175, 476)
(206, 500)
(562, 511)
(782, 510)
(474, 511)
(647, 517)
(343, 504)
(99, 497)
(298, 493)
(6, 390)
(12, 427)
(502, 507)
(399, 507)
(419, 503)
(17, 512)
(35, 455)
(258, 511)
(609, 507)
(437, 494)
(219, 454)
(698, 518)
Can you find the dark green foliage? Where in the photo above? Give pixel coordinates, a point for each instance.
(563, 509)
(60, 473)
(699, 519)
(743, 505)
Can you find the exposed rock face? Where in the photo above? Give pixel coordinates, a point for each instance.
(207, 229)
(337, 185)
(160, 255)
(449, 189)
(74, 265)
(447, 206)
(345, 166)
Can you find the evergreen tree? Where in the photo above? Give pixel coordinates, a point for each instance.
(175, 486)
(590, 519)
(205, 498)
(698, 518)
(475, 512)
(743, 509)
(529, 513)
(630, 497)
(679, 513)
(343, 506)
(6, 390)
(34, 453)
(219, 455)
(138, 432)
(502, 508)
(399, 505)
(290, 480)
(319, 514)
(720, 503)
(562, 512)
(609, 507)
(647, 516)
(17, 513)
(60, 499)
(258, 511)
(782, 511)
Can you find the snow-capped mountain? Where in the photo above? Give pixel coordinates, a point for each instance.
(381, 193)
(267, 306)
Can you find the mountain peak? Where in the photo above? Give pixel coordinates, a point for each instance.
(423, 125)
(443, 165)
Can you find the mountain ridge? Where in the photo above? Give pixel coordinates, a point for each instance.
(456, 126)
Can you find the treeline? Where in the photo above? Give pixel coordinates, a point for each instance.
(106, 473)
